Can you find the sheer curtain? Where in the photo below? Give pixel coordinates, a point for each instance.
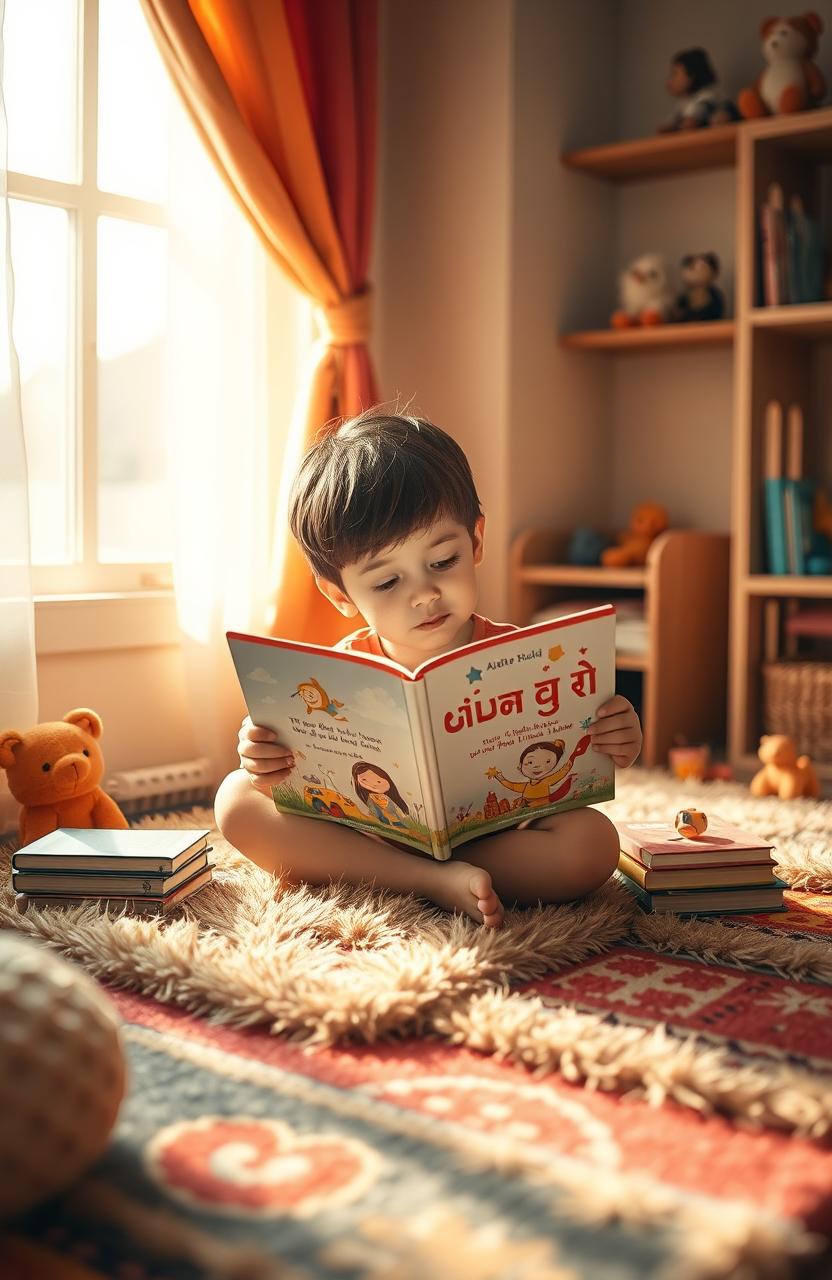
(18, 680)
(237, 334)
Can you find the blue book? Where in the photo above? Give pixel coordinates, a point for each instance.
(718, 900)
(798, 496)
(775, 524)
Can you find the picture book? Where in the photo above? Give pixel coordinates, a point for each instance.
(722, 901)
(132, 904)
(470, 742)
(658, 844)
(146, 883)
(651, 878)
(73, 849)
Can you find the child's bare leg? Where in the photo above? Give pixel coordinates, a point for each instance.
(552, 859)
(317, 853)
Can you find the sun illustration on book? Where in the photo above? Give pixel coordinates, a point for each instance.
(555, 652)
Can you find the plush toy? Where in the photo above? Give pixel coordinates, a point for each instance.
(791, 81)
(784, 773)
(54, 771)
(701, 300)
(643, 293)
(692, 80)
(648, 520)
(585, 547)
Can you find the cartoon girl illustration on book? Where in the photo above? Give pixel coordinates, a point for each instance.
(377, 790)
(316, 698)
(539, 765)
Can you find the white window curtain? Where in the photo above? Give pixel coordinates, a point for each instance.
(18, 676)
(237, 334)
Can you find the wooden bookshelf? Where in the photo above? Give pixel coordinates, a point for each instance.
(683, 567)
(662, 156)
(659, 337)
(802, 320)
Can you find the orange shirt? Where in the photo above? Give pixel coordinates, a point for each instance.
(366, 640)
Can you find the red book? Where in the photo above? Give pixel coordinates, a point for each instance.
(658, 844)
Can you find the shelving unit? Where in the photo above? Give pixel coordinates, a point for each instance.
(773, 352)
(684, 590)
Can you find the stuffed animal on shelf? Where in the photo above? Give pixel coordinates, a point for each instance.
(648, 520)
(692, 80)
(585, 547)
(791, 81)
(54, 770)
(784, 773)
(644, 293)
(701, 299)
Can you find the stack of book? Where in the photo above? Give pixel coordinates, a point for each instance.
(144, 872)
(723, 872)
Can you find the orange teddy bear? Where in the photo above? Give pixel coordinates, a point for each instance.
(54, 771)
(648, 520)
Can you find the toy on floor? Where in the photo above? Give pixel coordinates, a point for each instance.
(691, 823)
(784, 773)
(689, 762)
(648, 520)
(643, 292)
(54, 770)
(692, 80)
(791, 81)
(701, 299)
(62, 1073)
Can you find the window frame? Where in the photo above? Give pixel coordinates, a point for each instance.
(85, 203)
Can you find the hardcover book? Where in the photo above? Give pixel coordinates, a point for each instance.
(140, 905)
(471, 742)
(652, 878)
(145, 883)
(658, 844)
(71, 849)
(718, 901)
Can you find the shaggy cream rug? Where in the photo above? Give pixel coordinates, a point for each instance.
(343, 963)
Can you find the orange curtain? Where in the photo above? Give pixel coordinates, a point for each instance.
(283, 94)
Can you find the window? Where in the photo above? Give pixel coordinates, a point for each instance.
(88, 103)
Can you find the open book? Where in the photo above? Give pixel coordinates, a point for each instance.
(470, 742)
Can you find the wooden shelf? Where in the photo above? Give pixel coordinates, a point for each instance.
(814, 586)
(658, 157)
(631, 661)
(579, 575)
(801, 320)
(662, 337)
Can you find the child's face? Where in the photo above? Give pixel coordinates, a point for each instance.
(418, 595)
(538, 763)
(372, 781)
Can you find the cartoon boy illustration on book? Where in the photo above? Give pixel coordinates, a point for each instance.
(377, 790)
(317, 699)
(539, 765)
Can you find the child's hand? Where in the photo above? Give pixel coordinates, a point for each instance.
(617, 731)
(265, 761)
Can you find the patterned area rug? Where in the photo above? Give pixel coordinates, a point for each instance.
(340, 1083)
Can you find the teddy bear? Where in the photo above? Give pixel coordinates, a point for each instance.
(784, 773)
(643, 292)
(54, 770)
(701, 299)
(648, 520)
(791, 81)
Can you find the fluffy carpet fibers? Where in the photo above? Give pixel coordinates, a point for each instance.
(587, 1092)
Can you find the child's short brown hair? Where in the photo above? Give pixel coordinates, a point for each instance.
(373, 482)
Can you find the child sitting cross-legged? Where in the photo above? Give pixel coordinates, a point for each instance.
(387, 514)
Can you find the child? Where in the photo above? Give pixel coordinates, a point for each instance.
(386, 512)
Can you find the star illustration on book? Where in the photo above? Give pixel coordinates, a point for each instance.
(546, 668)
(582, 650)
(555, 652)
(474, 675)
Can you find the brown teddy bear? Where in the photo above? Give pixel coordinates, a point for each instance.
(54, 771)
(791, 80)
(648, 520)
(784, 773)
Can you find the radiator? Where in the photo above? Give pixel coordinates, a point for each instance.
(163, 786)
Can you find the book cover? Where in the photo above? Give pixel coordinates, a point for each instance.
(73, 849)
(659, 844)
(130, 903)
(470, 742)
(146, 884)
(710, 901)
(654, 879)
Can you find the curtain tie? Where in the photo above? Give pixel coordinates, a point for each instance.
(347, 323)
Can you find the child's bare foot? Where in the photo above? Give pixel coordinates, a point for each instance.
(460, 886)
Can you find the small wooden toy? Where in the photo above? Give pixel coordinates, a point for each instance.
(784, 773)
(691, 823)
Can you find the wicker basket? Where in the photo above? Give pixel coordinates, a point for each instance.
(797, 700)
